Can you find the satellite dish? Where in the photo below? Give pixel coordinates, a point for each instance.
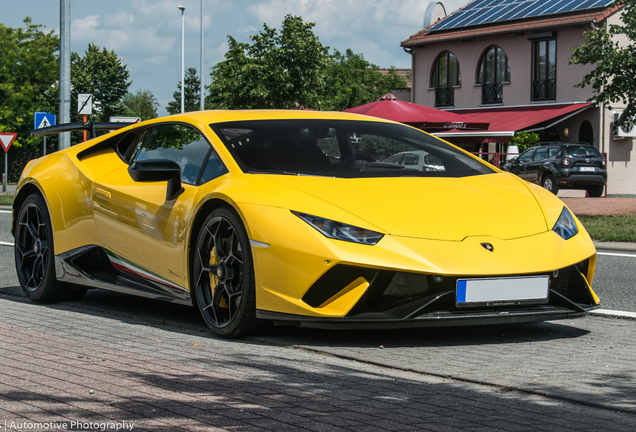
(435, 11)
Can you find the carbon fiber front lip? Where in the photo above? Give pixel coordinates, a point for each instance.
(431, 319)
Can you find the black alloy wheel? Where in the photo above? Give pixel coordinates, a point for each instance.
(34, 251)
(223, 275)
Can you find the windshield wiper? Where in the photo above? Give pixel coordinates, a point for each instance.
(382, 165)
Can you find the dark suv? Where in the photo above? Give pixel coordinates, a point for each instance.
(556, 165)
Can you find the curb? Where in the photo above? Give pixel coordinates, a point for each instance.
(614, 314)
(615, 246)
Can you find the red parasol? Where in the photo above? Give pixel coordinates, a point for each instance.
(388, 107)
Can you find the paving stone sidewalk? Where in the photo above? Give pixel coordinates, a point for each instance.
(62, 365)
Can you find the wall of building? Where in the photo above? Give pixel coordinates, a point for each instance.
(519, 51)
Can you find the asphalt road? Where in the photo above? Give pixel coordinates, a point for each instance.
(614, 282)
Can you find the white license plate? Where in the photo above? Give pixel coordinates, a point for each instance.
(502, 291)
(587, 169)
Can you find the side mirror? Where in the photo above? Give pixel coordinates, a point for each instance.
(158, 170)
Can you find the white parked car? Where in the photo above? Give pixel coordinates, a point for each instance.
(419, 160)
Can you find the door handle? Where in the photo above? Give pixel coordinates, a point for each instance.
(102, 194)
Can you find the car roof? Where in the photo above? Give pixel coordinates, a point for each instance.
(221, 116)
(562, 143)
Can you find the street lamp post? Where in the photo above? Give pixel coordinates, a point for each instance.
(202, 104)
(182, 9)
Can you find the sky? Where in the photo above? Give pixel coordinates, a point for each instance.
(147, 33)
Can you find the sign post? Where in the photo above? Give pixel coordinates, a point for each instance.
(85, 106)
(6, 139)
(42, 120)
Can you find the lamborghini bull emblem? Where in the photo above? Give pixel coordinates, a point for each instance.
(488, 247)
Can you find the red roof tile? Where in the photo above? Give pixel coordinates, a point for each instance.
(403, 72)
(424, 37)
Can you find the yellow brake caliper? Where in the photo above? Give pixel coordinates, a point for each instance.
(214, 281)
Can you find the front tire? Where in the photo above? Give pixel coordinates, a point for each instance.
(223, 275)
(34, 252)
(550, 184)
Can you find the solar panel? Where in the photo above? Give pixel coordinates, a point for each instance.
(491, 11)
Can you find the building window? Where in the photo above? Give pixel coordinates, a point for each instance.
(494, 69)
(446, 75)
(544, 70)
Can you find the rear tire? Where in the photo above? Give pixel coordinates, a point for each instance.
(595, 191)
(550, 184)
(34, 252)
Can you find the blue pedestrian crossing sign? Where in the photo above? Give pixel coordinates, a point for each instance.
(43, 119)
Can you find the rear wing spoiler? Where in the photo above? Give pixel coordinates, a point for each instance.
(88, 126)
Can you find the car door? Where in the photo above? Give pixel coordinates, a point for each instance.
(142, 230)
(535, 168)
(520, 166)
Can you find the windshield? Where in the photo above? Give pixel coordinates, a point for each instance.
(342, 148)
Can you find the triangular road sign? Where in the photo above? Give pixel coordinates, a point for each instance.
(6, 139)
(44, 123)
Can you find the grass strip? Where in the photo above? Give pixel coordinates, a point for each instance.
(617, 228)
(6, 199)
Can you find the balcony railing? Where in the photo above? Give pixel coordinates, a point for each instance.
(444, 96)
(544, 89)
(491, 93)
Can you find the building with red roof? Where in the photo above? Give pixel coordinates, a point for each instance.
(507, 63)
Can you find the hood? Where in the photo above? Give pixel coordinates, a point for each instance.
(498, 205)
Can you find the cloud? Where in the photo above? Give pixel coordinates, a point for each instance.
(248, 29)
(377, 25)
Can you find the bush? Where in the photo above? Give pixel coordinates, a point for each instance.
(524, 140)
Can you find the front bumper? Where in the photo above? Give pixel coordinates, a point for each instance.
(394, 299)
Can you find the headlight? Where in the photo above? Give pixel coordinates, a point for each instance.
(340, 231)
(566, 226)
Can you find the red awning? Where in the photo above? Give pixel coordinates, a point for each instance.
(508, 120)
(388, 107)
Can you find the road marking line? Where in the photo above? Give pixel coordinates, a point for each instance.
(613, 313)
(6, 244)
(616, 254)
(5, 211)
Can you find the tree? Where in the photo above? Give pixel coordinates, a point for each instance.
(102, 74)
(278, 70)
(28, 68)
(351, 81)
(613, 78)
(524, 140)
(291, 67)
(142, 104)
(191, 95)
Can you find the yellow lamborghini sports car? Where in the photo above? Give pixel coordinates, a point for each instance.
(327, 220)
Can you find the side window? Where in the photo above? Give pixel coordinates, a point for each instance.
(540, 154)
(182, 144)
(553, 151)
(527, 156)
(213, 168)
